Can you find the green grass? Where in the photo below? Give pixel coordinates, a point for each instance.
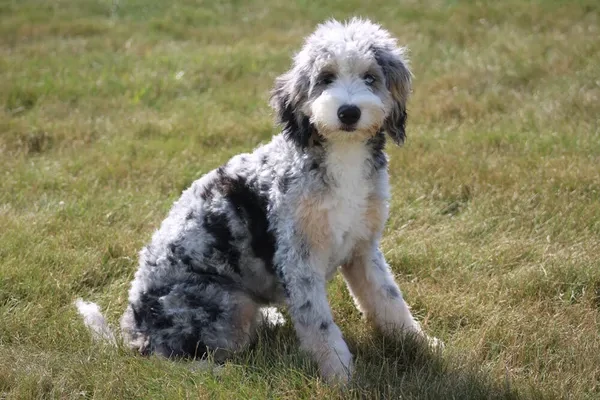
(108, 109)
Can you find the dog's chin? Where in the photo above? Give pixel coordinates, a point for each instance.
(347, 134)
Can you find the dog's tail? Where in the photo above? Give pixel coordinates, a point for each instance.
(95, 321)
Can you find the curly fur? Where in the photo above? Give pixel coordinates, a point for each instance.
(272, 227)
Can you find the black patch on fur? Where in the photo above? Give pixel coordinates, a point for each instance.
(296, 131)
(306, 306)
(396, 76)
(187, 260)
(191, 347)
(207, 193)
(377, 145)
(198, 302)
(395, 125)
(191, 261)
(187, 347)
(152, 319)
(251, 208)
(217, 225)
(392, 291)
(324, 326)
(149, 314)
(296, 126)
(203, 273)
(177, 253)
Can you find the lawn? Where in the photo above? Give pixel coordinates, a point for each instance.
(109, 109)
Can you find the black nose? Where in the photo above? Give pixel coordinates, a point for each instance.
(349, 115)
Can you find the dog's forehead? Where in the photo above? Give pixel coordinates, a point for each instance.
(345, 48)
(353, 63)
(345, 57)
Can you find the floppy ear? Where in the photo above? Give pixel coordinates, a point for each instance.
(286, 99)
(398, 81)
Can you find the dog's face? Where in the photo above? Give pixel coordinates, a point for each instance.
(348, 82)
(347, 97)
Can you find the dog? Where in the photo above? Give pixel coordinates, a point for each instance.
(272, 227)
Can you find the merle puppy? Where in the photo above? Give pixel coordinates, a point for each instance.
(270, 228)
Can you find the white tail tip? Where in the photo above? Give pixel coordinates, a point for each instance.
(95, 321)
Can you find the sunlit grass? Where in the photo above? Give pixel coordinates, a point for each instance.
(108, 109)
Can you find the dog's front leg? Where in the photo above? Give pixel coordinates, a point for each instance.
(376, 293)
(309, 309)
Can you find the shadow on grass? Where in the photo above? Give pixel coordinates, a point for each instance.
(408, 368)
(384, 368)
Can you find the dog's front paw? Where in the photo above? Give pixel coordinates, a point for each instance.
(434, 343)
(336, 366)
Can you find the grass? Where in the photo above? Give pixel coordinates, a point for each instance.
(108, 109)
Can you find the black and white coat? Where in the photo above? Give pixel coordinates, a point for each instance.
(271, 227)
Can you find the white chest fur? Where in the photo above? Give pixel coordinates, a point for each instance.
(347, 198)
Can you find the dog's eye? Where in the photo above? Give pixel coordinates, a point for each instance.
(326, 79)
(369, 79)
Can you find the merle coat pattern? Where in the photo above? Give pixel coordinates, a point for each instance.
(271, 227)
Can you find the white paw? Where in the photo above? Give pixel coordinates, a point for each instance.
(434, 343)
(415, 329)
(336, 365)
(271, 316)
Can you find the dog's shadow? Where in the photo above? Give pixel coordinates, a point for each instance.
(384, 368)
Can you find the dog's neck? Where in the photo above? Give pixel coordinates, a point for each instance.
(324, 153)
(346, 162)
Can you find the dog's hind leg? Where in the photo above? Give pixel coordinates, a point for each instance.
(187, 320)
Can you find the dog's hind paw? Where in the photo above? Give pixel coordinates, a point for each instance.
(271, 316)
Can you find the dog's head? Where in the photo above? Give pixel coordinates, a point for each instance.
(347, 83)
